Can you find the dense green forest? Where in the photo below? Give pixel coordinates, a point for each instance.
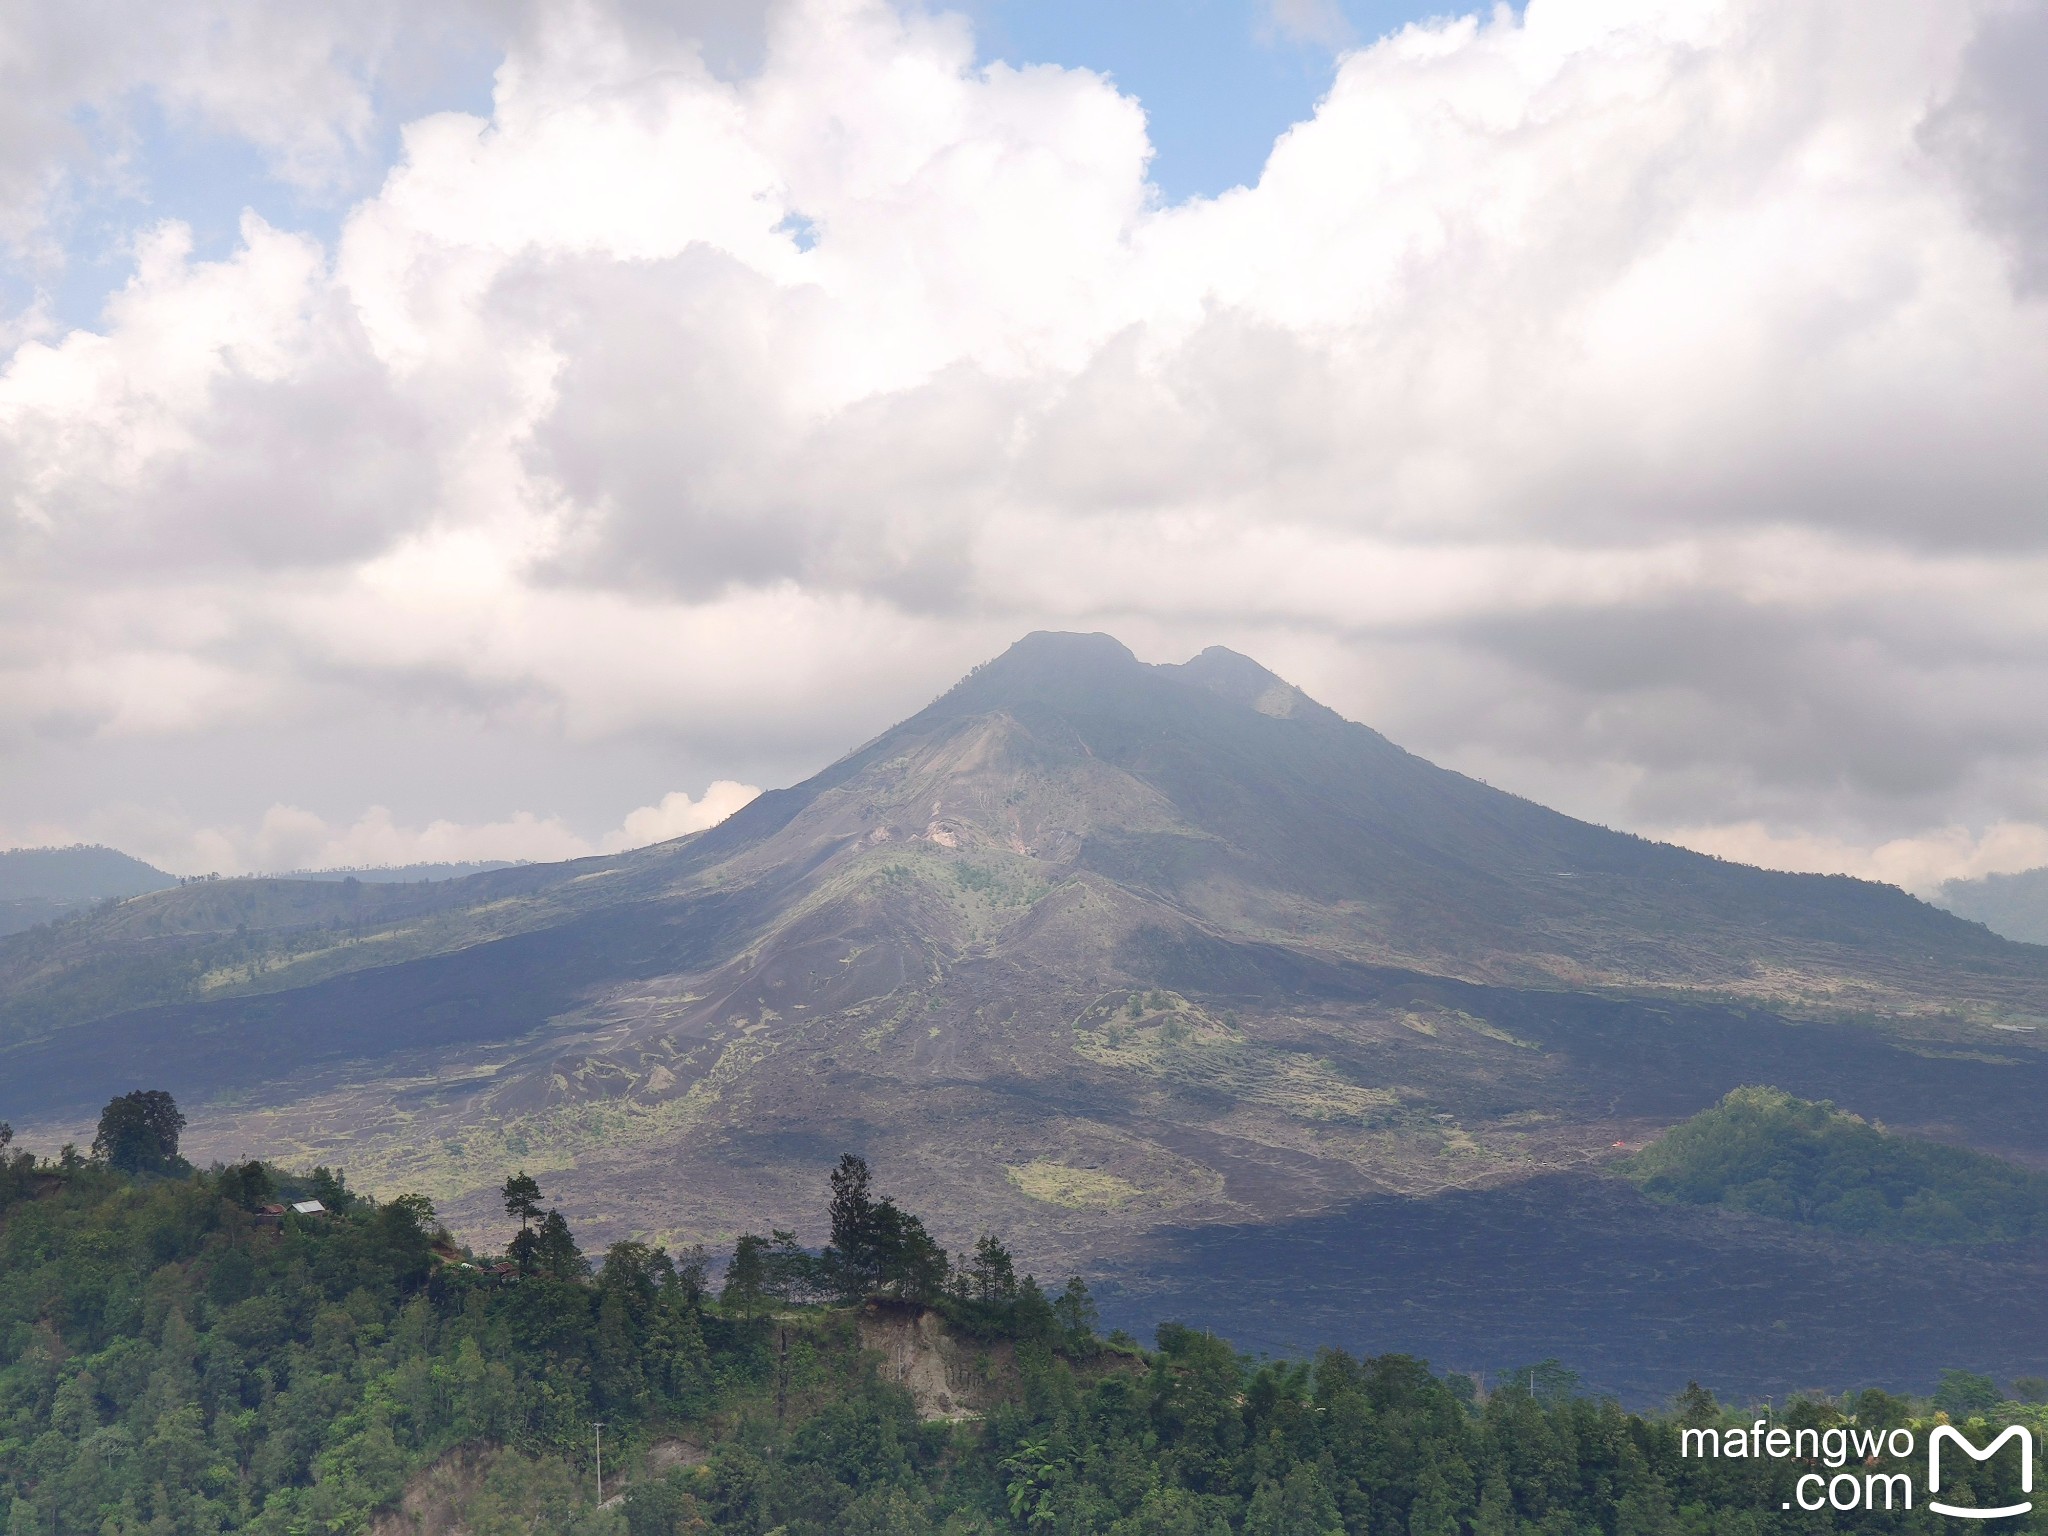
(1762, 1150)
(181, 1351)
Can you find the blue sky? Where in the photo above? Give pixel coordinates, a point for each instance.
(1219, 79)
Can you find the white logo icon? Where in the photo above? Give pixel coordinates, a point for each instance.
(1949, 1432)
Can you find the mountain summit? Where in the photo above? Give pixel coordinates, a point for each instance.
(1087, 945)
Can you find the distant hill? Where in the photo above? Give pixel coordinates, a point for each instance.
(2015, 906)
(398, 874)
(1088, 950)
(1764, 1151)
(40, 884)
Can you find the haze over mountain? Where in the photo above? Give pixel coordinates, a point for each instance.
(40, 884)
(2015, 906)
(1087, 949)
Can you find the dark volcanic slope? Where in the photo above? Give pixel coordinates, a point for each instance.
(1638, 1297)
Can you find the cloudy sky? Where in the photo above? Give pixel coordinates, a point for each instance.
(520, 432)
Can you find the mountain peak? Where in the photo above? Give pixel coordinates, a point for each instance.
(1065, 651)
(1052, 666)
(1064, 667)
(1241, 680)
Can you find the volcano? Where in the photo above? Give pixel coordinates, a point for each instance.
(1088, 950)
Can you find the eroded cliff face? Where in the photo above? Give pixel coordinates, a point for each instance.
(948, 1376)
(438, 1501)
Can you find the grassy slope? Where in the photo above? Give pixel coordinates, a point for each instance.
(1764, 1151)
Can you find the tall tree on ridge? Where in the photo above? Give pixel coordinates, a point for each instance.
(138, 1132)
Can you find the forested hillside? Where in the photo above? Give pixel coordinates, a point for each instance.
(1762, 1150)
(182, 1352)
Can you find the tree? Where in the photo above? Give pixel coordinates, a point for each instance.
(876, 1245)
(1299, 1506)
(139, 1132)
(1032, 1476)
(1963, 1393)
(522, 1198)
(852, 1210)
(248, 1184)
(620, 1383)
(521, 1249)
(415, 1212)
(990, 1277)
(692, 1270)
(1075, 1310)
(6, 1135)
(1435, 1509)
(902, 1258)
(746, 1277)
(1695, 1405)
(331, 1189)
(555, 1253)
(789, 1273)
(1496, 1516)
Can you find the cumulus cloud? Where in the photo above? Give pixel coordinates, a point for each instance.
(1919, 864)
(297, 83)
(287, 838)
(678, 815)
(1636, 403)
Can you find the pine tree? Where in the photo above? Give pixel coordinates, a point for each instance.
(619, 1381)
(991, 1276)
(1435, 1510)
(746, 1277)
(851, 1259)
(1075, 1310)
(555, 1253)
(522, 1198)
(1496, 1515)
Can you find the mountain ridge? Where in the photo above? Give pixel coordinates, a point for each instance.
(40, 885)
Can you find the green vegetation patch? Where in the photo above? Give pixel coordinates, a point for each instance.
(1148, 1030)
(1077, 1189)
(1762, 1150)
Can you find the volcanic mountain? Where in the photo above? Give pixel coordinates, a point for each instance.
(1086, 948)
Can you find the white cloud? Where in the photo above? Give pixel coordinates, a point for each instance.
(299, 84)
(1920, 864)
(1320, 22)
(287, 837)
(678, 815)
(1637, 403)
